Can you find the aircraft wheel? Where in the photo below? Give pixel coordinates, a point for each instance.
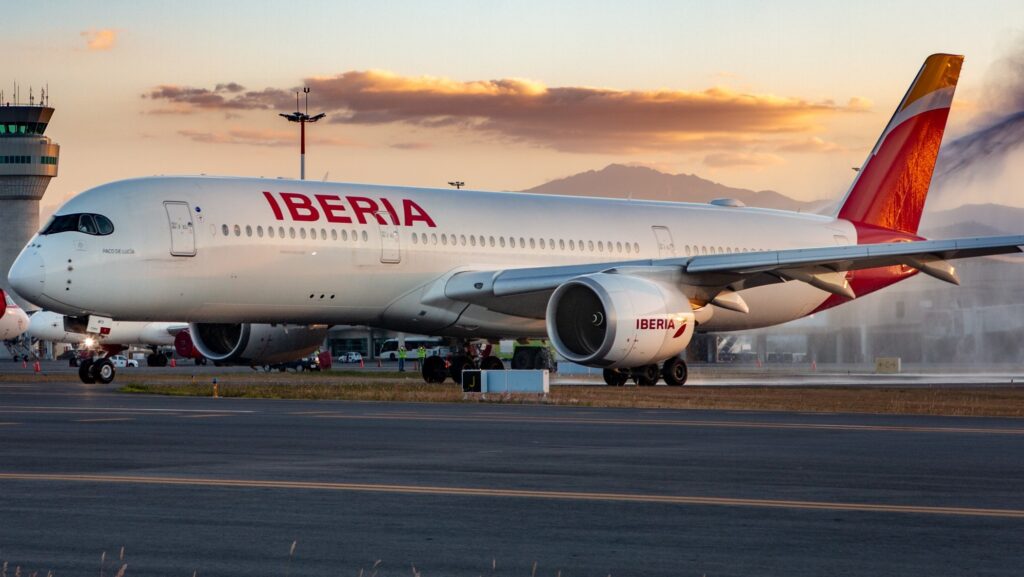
(646, 376)
(103, 371)
(543, 361)
(674, 372)
(615, 377)
(85, 371)
(492, 364)
(459, 363)
(434, 370)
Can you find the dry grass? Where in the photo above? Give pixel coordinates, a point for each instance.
(999, 401)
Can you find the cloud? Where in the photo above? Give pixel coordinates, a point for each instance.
(578, 119)
(258, 138)
(229, 96)
(813, 144)
(410, 145)
(99, 40)
(730, 159)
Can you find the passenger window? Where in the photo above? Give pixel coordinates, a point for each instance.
(248, 230)
(444, 239)
(628, 248)
(365, 236)
(618, 247)
(590, 246)
(572, 244)
(270, 231)
(280, 231)
(522, 242)
(687, 250)
(492, 242)
(472, 240)
(561, 244)
(433, 239)
(238, 230)
(291, 232)
(501, 241)
(533, 243)
(259, 231)
(415, 238)
(302, 233)
(323, 234)
(512, 242)
(542, 244)
(636, 247)
(224, 229)
(334, 234)
(462, 240)
(600, 246)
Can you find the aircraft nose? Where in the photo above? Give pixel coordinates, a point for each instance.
(28, 275)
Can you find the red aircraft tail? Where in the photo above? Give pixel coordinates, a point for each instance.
(890, 189)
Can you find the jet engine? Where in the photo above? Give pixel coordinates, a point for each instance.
(618, 321)
(255, 344)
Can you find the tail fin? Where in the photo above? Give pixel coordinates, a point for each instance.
(890, 189)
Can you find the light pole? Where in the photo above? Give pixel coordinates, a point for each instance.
(457, 184)
(302, 118)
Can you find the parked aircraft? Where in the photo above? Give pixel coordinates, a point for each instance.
(13, 320)
(614, 283)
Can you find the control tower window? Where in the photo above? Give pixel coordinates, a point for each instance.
(91, 224)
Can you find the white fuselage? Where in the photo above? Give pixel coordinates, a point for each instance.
(13, 321)
(50, 326)
(365, 272)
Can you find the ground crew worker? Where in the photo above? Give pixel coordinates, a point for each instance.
(422, 354)
(401, 359)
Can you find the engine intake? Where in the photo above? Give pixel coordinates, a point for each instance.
(255, 344)
(618, 321)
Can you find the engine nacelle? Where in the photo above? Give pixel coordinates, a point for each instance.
(618, 321)
(255, 344)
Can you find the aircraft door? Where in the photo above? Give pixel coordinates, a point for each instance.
(183, 234)
(390, 242)
(666, 247)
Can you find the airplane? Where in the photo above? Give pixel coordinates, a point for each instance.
(618, 284)
(113, 338)
(13, 320)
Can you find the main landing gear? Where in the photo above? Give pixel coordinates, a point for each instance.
(100, 370)
(673, 371)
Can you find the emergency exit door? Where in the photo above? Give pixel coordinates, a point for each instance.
(666, 247)
(183, 234)
(390, 241)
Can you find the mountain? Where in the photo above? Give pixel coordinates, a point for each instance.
(621, 181)
(973, 220)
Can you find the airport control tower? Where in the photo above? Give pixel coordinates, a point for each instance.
(28, 160)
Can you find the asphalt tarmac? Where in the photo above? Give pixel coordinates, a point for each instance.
(226, 486)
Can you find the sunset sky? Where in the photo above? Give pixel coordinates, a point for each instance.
(783, 95)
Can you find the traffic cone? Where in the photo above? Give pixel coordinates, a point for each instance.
(24, 364)
(361, 365)
(174, 362)
(759, 362)
(37, 367)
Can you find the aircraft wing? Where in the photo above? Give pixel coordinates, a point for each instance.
(524, 291)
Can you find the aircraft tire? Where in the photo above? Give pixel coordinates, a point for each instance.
(646, 376)
(674, 372)
(492, 364)
(459, 364)
(434, 370)
(85, 372)
(615, 377)
(102, 371)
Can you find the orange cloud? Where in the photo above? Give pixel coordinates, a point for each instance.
(578, 119)
(814, 144)
(729, 159)
(99, 40)
(258, 138)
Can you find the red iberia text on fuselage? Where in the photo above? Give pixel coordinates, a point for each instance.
(346, 210)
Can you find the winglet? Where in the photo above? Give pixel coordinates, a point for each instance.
(890, 189)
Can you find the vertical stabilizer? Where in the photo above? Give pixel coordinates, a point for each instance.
(890, 189)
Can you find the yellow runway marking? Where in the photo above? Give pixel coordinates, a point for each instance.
(516, 493)
(106, 420)
(674, 423)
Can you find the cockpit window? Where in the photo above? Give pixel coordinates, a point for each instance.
(92, 224)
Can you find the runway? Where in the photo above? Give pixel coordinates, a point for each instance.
(225, 486)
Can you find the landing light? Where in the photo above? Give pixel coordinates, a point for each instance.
(89, 341)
